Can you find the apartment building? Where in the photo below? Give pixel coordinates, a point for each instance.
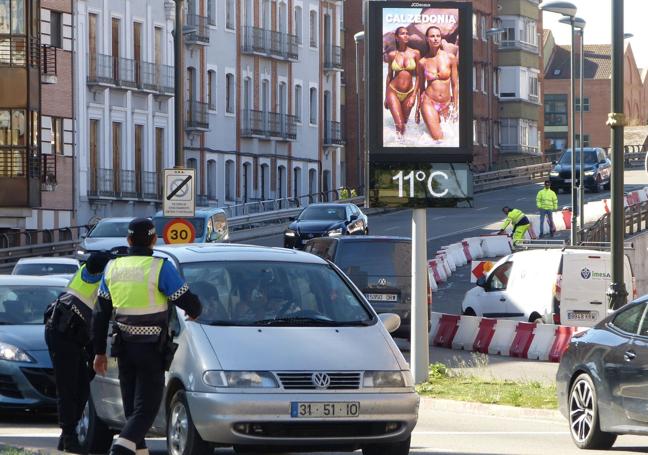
(36, 111)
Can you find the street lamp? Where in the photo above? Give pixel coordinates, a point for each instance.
(569, 10)
(496, 31)
(357, 38)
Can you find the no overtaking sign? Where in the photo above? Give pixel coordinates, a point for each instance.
(179, 193)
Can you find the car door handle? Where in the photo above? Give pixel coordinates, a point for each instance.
(629, 356)
(503, 299)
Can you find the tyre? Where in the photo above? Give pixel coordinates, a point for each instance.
(606, 187)
(394, 448)
(598, 183)
(94, 435)
(584, 419)
(182, 437)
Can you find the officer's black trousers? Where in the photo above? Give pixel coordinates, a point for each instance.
(69, 360)
(141, 376)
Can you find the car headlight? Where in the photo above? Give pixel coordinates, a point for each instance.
(13, 353)
(81, 252)
(590, 173)
(290, 233)
(554, 174)
(379, 379)
(334, 232)
(240, 379)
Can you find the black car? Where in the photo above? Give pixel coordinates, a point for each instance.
(379, 266)
(597, 170)
(602, 380)
(325, 220)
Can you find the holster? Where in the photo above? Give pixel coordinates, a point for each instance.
(168, 349)
(116, 343)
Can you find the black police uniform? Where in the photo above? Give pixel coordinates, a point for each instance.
(140, 338)
(67, 333)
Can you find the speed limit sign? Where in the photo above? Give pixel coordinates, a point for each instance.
(178, 231)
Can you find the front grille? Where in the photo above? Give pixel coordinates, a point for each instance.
(303, 380)
(8, 387)
(320, 429)
(565, 174)
(42, 379)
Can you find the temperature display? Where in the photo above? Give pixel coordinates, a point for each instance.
(420, 176)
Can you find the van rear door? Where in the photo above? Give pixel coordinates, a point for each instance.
(585, 280)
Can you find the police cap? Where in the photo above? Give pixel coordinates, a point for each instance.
(141, 231)
(96, 262)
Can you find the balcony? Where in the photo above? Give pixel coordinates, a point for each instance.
(519, 148)
(101, 70)
(518, 45)
(48, 65)
(102, 183)
(106, 70)
(149, 186)
(155, 78)
(333, 58)
(267, 43)
(333, 136)
(196, 30)
(269, 125)
(48, 172)
(124, 72)
(197, 116)
(124, 184)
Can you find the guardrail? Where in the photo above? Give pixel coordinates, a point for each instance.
(9, 256)
(508, 177)
(636, 220)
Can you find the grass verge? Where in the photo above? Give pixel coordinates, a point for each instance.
(452, 385)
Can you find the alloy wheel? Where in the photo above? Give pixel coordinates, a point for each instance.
(581, 410)
(84, 424)
(178, 429)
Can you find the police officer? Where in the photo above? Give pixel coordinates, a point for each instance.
(519, 221)
(67, 333)
(139, 288)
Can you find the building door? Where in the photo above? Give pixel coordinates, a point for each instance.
(115, 48)
(93, 158)
(116, 154)
(137, 49)
(139, 157)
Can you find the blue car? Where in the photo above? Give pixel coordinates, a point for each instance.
(26, 375)
(210, 225)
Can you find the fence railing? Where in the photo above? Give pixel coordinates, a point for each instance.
(196, 29)
(333, 57)
(271, 43)
(48, 60)
(635, 220)
(509, 177)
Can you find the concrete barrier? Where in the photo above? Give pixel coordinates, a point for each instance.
(496, 245)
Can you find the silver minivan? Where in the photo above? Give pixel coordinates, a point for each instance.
(287, 354)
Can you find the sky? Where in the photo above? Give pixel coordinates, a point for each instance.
(597, 14)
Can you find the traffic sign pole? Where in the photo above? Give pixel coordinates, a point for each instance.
(420, 347)
(178, 48)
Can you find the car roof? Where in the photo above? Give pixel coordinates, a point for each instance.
(33, 280)
(199, 213)
(586, 149)
(201, 252)
(116, 219)
(330, 204)
(48, 260)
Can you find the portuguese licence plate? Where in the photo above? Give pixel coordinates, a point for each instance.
(311, 409)
(582, 315)
(382, 297)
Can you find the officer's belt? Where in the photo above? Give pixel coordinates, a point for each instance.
(139, 329)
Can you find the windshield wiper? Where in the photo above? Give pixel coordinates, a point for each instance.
(296, 321)
(219, 322)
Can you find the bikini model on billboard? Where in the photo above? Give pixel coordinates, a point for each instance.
(439, 86)
(401, 82)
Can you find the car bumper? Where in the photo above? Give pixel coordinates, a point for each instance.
(26, 386)
(299, 241)
(268, 419)
(565, 182)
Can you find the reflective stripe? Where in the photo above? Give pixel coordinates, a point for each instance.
(84, 292)
(89, 302)
(129, 445)
(153, 283)
(139, 329)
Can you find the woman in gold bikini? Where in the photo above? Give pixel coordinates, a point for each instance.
(439, 86)
(402, 84)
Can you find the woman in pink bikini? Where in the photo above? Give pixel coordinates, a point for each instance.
(439, 86)
(401, 84)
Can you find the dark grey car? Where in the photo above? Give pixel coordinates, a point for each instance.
(602, 380)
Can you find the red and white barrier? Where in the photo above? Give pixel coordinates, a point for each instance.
(500, 336)
(496, 245)
(475, 246)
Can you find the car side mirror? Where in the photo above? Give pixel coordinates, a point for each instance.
(354, 217)
(391, 321)
(481, 282)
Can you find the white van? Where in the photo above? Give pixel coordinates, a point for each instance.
(563, 286)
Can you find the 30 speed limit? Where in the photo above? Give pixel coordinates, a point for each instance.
(179, 230)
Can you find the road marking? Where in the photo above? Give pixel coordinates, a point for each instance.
(393, 228)
(438, 218)
(474, 228)
(521, 199)
(482, 208)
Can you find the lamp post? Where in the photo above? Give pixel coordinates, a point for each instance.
(491, 32)
(357, 38)
(568, 10)
(178, 57)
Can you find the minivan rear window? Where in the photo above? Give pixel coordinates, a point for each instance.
(382, 258)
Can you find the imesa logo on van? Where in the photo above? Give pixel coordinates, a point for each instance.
(586, 274)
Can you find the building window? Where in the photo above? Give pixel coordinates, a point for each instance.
(474, 25)
(313, 106)
(482, 77)
(586, 104)
(482, 24)
(586, 141)
(57, 135)
(298, 102)
(484, 133)
(496, 81)
(211, 12)
(56, 29)
(229, 93)
(230, 11)
(313, 29)
(519, 135)
(533, 87)
(230, 176)
(211, 89)
(555, 109)
(475, 137)
(474, 77)
(298, 24)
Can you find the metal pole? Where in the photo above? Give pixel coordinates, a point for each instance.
(574, 201)
(581, 178)
(617, 293)
(358, 131)
(490, 115)
(420, 349)
(178, 48)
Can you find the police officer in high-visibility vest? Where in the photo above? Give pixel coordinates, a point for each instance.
(520, 223)
(67, 333)
(139, 288)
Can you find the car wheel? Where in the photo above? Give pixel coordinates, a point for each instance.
(598, 183)
(584, 421)
(606, 187)
(94, 435)
(395, 448)
(182, 437)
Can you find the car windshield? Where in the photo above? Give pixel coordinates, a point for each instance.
(377, 258)
(256, 293)
(20, 305)
(160, 222)
(44, 269)
(590, 158)
(314, 213)
(110, 229)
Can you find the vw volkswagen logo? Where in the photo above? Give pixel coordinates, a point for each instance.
(321, 380)
(382, 282)
(586, 273)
